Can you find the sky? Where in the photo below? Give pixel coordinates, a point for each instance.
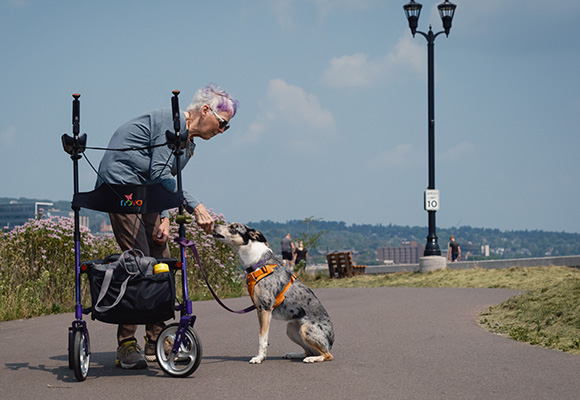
(332, 121)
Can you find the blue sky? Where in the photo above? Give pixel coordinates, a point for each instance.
(333, 116)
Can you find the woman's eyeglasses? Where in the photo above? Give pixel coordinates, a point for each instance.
(225, 125)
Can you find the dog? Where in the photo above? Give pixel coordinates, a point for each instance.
(277, 294)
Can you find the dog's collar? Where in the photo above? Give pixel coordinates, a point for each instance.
(256, 266)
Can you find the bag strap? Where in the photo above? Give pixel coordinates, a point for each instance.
(105, 288)
(109, 276)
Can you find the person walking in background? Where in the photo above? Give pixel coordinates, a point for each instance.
(287, 251)
(454, 251)
(300, 255)
(208, 115)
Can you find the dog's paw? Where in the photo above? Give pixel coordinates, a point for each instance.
(257, 360)
(313, 359)
(294, 356)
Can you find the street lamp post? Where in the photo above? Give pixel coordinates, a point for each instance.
(446, 11)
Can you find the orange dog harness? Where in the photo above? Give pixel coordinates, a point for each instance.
(263, 272)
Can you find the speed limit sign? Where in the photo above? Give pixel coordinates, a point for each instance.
(431, 200)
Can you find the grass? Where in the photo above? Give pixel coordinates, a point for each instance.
(547, 317)
(510, 278)
(546, 314)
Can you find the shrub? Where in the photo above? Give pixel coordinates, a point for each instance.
(37, 266)
(37, 274)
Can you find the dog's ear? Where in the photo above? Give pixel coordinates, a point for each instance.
(257, 235)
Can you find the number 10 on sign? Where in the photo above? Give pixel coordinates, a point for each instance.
(431, 200)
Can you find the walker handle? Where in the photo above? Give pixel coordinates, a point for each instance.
(76, 115)
(175, 111)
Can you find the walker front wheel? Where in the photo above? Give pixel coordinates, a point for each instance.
(81, 354)
(187, 359)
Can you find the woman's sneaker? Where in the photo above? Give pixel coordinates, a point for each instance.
(150, 350)
(129, 355)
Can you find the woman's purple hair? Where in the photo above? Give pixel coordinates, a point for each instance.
(217, 99)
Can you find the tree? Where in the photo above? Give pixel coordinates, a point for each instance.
(310, 240)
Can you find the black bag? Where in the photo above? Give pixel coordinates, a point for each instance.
(125, 291)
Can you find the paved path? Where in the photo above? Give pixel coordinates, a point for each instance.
(391, 343)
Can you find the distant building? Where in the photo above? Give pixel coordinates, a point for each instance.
(105, 228)
(15, 214)
(407, 253)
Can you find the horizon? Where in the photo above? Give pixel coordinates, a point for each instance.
(338, 221)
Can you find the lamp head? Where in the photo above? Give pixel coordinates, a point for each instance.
(412, 11)
(446, 11)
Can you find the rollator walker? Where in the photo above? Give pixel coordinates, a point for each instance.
(186, 350)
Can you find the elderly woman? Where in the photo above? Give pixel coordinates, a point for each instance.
(208, 115)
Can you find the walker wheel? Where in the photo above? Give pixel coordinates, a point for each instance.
(188, 358)
(81, 353)
(70, 348)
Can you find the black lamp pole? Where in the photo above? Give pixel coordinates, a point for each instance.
(446, 11)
